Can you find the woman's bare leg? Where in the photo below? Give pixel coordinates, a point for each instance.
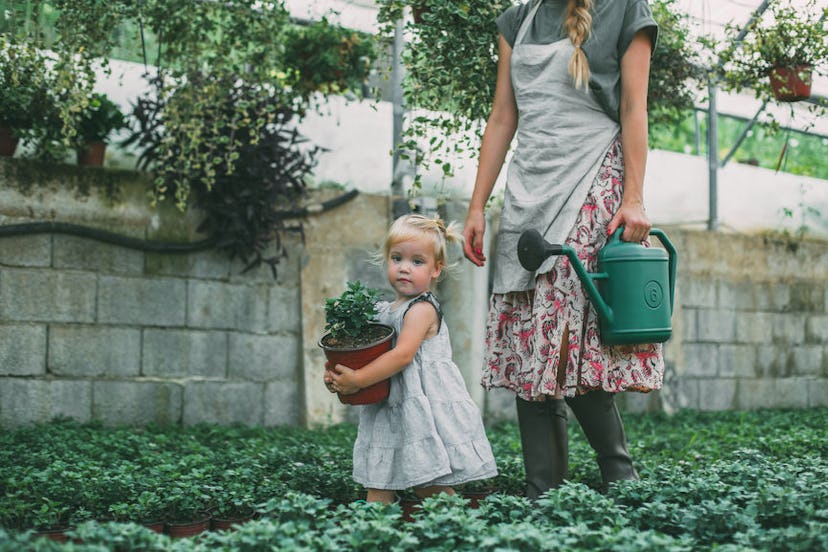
(381, 495)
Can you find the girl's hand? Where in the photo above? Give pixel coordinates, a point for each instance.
(473, 231)
(344, 380)
(634, 218)
(328, 378)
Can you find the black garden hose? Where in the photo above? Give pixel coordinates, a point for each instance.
(28, 228)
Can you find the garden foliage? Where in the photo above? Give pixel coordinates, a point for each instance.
(723, 481)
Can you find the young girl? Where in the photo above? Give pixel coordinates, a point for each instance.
(429, 433)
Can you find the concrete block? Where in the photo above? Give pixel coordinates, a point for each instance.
(26, 251)
(806, 360)
(47, 295)
(774, 361)
(83, 254)
(282, 403)
(807, 297)
(772, 393)
(218, 305)
(698, 293)
(500, 406)
(754, 327)
(27, 401)
(818, 393)
(701, 360)
(717, 394)
(223, 403)
(690, 324)
(816, 329)
(717, 326)
(94, 351)
(284, 313)
(773, 296)
(184, 353)
(683, 392)
(264, 357)
(208, 265)
(736, 295)
(120, 403)
(737, 360)
(22, 349)
(789, 328)
(142, 301)
(639, 402)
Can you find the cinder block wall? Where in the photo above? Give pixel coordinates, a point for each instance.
(96, 331)
(90, 330)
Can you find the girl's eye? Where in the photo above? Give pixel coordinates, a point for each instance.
(396, 258)
(418, 262)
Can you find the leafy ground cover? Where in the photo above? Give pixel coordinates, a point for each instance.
(730, 481)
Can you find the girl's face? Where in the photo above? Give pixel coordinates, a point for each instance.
(411, 267)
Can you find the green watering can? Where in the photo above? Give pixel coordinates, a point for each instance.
(635, 292)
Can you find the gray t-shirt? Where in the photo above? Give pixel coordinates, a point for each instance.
(614, 23)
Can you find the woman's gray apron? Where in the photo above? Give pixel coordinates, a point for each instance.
(562, 138)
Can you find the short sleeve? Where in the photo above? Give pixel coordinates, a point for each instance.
(637, 17)
(508, 23)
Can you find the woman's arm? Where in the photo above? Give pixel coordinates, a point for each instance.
(500, 129)
(635, 71)
(417, 323)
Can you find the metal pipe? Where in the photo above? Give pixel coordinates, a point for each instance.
(743, 135)
(398, 108)
(712, 160)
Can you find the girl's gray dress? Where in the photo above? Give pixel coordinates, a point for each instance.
(428, 431)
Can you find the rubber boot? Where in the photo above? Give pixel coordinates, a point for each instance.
(545, 444)
(599, 418)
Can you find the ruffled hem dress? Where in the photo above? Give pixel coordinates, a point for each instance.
(565, 180)
(429, 431)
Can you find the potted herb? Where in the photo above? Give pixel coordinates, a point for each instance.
(354, 338)
(96, 122)
(782, 49)
(25, 99)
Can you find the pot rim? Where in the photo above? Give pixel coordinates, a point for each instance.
(366, 346)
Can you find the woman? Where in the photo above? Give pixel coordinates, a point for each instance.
(572, 83)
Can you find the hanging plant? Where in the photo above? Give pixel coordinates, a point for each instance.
(451, 68)
(780, 53)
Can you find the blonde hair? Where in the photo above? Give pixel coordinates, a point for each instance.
(578, 25)
(415, 226)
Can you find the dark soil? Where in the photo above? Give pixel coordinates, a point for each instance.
(371, 335)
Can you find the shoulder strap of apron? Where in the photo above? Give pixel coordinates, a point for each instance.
(524, 27)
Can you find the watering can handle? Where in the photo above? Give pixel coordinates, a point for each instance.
(671, 251)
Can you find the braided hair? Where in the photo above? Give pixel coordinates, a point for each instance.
(578, 24)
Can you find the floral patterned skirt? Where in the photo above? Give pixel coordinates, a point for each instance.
(525, 329)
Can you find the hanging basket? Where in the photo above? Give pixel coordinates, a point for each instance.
(8, 142)
(791, 83)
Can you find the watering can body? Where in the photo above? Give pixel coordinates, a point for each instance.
(635, 285)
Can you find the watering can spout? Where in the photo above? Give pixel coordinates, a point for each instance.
(533, 250)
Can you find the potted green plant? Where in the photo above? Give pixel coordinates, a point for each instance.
(354, 338)
(24, 93)
(780, 52)
(96, 122)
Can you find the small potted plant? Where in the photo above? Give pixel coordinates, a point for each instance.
(786, 46)
(96, 122)
(354, 339)
(24, 93)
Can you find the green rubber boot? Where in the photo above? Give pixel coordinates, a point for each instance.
(599, 418)
(545, 444)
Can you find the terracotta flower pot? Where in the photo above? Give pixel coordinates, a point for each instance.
(157, 526)
(57, 535)
(188, 528)
(8, 142)
(228, 524)
(92, 155)
(356, 358)
(791, 84)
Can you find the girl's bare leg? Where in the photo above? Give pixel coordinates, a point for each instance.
(381, 495)
(424, 492)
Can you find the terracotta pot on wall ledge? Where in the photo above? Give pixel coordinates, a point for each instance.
(92, 155)
(8, 142)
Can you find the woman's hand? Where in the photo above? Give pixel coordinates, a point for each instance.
(473, 231)
(343, 380)
(634, 218)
